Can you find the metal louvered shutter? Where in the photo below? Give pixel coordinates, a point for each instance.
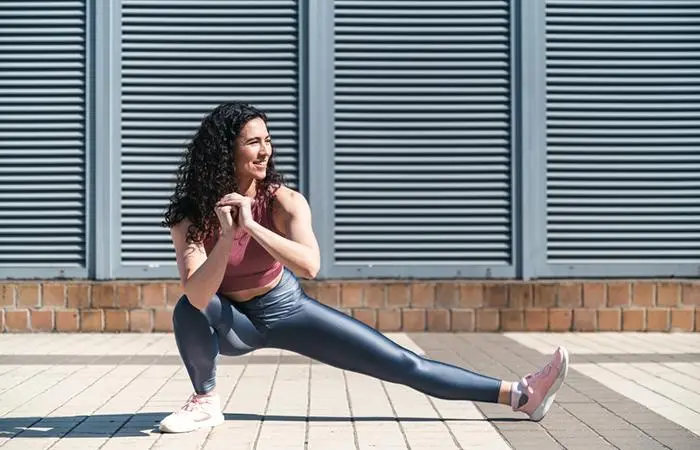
(42, 139)
(179, 60)
(623, 132)
(422, 132)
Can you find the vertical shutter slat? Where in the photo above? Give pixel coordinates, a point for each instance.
(179, 60)
(623, 142)
(42, 135)
(422, 133)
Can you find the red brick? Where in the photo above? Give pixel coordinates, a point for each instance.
(103, 296)
(619, 293)
(423, 295)
(140, 320)
(463, 320)
(560, 319)
(658, 319)
(329, 294)
(487, 319)
(536, 319)
(697, 319)
(691, 294)
(153, 295)
(67, 321)
(438, 319)
(53, 295)
(366, 315)
(609, 319)
(163, 320)
(521, 295)
(667, 294)
(398, 294)
(471, 295)
(91, 320)
(389, 319)
(28, 294)
(594, 295)
(545, 295)
(116, 320)
(446, 295)
(633, 319)
(310, 287)
(173, 292)
(644, 294)
(2, 320)
(78, 296)
(375, 296)
(413, 319)
(351, 295)
(585, 319)
(7, 295)
(17, 320)
(128, 297)
(512, 320)
(496, 296)
(41, 320)
(682, 319)
(570, 295)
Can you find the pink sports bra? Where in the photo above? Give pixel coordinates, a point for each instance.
(249, 264)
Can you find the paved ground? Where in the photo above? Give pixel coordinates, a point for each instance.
(108, 391)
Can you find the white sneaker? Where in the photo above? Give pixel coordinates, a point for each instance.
(199, 411)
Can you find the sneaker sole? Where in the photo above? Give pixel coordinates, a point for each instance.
(542, 410)
(211, 422)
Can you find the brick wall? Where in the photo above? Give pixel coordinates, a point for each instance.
(389, 306)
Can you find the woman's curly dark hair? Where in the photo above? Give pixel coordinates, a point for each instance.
(207, 170)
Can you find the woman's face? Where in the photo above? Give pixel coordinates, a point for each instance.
(254, 150)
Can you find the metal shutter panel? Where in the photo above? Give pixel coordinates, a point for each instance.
(623, 131)
(422, 132)
(179, 60)
(42, 137)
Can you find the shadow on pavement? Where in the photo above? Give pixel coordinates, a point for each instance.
(142, 424)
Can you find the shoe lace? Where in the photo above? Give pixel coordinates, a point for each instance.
(193, 402)
(544, 371)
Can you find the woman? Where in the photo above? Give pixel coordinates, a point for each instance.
(241, 239)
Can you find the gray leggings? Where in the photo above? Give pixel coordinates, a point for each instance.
(286, 318)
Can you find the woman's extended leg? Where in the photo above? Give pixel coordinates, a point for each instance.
(329, 336)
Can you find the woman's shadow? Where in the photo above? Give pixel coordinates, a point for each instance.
(143, 424)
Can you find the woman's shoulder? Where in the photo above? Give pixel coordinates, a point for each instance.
(287, 202)
(287, 197)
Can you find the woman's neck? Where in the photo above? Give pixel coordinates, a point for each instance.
(247, 188)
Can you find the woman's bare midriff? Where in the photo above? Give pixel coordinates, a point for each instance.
(247, 294)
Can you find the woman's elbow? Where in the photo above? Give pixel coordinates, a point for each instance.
(309, 270)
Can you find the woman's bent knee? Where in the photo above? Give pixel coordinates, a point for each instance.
(186, 313)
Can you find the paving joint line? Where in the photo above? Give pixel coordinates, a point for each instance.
(267, 405)
(352, 414)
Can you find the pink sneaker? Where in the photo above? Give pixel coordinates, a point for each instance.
(542, 386)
